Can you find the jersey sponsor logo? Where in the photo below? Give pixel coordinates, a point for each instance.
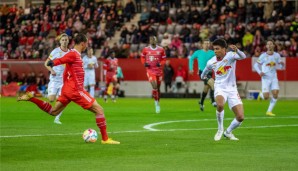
(223, 70)
(271, 64)
(151, 58)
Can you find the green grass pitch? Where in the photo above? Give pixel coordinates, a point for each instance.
(179, 138)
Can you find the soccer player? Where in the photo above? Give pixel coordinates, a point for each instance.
(203, 56)
(268, 62)
(153, 56)
(73, 88)
(90, 63)
(56, 76)
(110, 67)
(224, 64)
(120, 77)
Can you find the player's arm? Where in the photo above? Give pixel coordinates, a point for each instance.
(67, 58)
(95, 63)
(206, 70)
(163, 58)
(239, 54)
(190, 62)
(280, 62)
(258, 66)
(85, 63)
(48, 67)
(143, 60)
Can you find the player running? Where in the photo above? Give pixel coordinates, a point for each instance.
(266, 67)
(110, 67)
(90, 63)
(224, 65)
(153, 57)
(73, 88)
(56, 76)
(203, 56)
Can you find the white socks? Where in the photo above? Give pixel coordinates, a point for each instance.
(57, 118)
(272, 104)
(234, 124)
(156, 103)
(220, 117)
(261, 95)
(92, 91)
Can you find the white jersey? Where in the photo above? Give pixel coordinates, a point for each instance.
(224, 70)
(269, 64)
(57, 53)
(87, 61)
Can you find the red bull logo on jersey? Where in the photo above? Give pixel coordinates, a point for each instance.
(271, 64)
(223, 70)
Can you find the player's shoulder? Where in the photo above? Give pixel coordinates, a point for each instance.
(212, 60)
(275, 54)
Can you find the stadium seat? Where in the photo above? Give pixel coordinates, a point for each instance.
(23, 40)
(178, 28)
(171, 28)
(162, 29)
(2, 31)
(134, 47)
(142, 45)
(159, 37)
(30, 40)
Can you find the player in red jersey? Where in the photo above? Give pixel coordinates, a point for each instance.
(153, 57)
(73, 88)
(110, 67)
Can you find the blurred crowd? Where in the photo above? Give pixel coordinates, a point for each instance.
(29, 33)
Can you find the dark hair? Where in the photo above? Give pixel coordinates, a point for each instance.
(220, 42)
(80, 38)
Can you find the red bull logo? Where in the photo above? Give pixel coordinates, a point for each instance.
(223, 70)
(271, 64)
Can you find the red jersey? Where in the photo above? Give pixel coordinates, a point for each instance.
(153, 57)
(110, 66)
(73, 76)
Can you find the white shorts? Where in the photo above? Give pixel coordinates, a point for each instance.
(54, 88)
(269, 84)
(89, 79)
(232, 96)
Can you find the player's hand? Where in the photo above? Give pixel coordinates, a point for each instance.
(262, 74)
(234, 48)
(146, 64)
(158, 65)
(50, 63)
(53, 73)
(282, 65)
(90, 66)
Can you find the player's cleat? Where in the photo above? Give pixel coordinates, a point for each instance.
(259, 98)
(270, 114)
(230, 136)
(218, 135)
(214, 104)
(56, 121)
(114, 100)
(109, 141)
(105, 100)
(25, 97)
(201, 106)
(157, 109)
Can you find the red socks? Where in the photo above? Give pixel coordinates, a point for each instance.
(45, 106)
(155, 95)
(101, 124)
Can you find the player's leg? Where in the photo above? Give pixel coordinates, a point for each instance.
(105, 96)
(43, 105)
(236, 105)
(57, 90)
(155, 94)
(264, 95)
(113, 96)
(274, 87)
(84, 99)
(204, 94)
(220, 99)
(211, 85)
(91, 83)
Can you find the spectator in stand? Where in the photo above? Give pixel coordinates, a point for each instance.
(154, 15)
(129, 10)
(124, 35)
(168, 72)
(194, 34)
(194, 15)
(185, 34)
(180, 16)
(247, 38)
(258, 39)
(268, 9)
(144, 18)
(177, 44)
(106, 50)
(250, 9)
(293, 50)
(257, 52)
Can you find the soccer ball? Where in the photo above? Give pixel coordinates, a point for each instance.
(90, 135)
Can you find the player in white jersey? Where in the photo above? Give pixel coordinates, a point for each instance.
(225, 88)
(266, 67)
(90, 63)
(56, 76)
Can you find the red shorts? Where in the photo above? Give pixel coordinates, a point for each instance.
(111, 79)
(154, 77)
(81, 98)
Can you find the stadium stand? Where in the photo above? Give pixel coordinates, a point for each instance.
(32, 29)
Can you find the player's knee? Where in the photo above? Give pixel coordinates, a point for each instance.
(240, 118)
(220, 107)
(275, 96)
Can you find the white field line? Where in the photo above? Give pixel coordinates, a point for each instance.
(148, 128)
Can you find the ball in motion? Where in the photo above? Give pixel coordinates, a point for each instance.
(90, 136)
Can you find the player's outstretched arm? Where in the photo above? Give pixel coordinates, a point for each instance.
(206, 70)
(67, 58)
(49, 67)
(257, 68)
(240, 54)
